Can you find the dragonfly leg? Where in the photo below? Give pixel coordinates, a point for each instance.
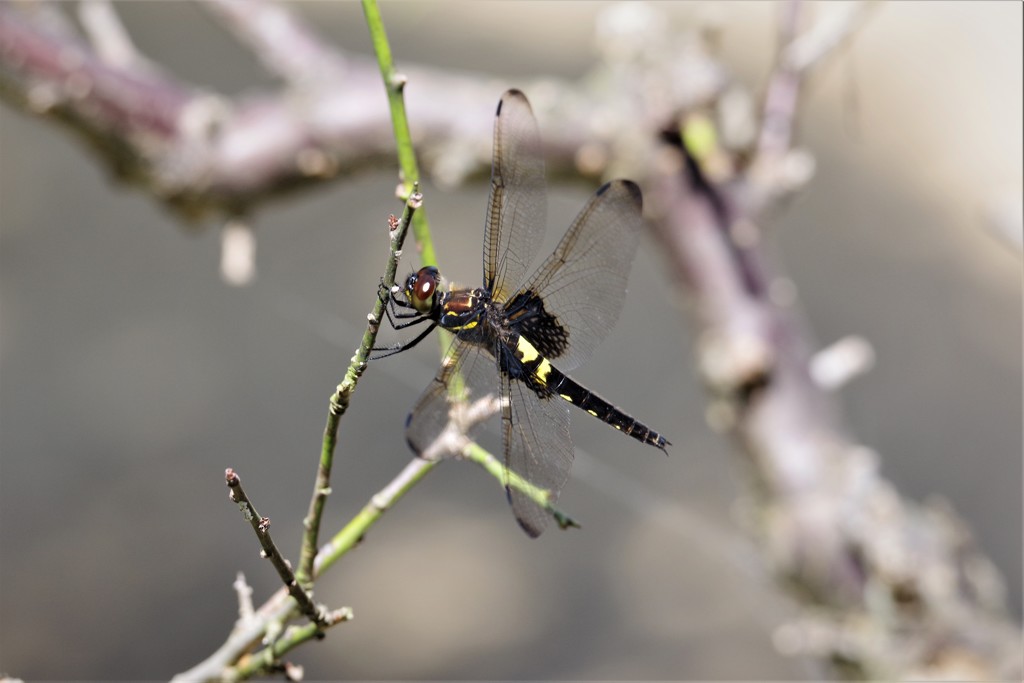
(398, 348)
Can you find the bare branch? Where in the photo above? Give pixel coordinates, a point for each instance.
(283, 44)
(814, 46)
(800, 52)
(891, 589)
(244, 638)
(203, 153)
(246, 611)
(107, 34)
(261, 525)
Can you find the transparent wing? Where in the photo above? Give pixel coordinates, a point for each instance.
(517, 206)
(479, 372)
(535, 434)
(583, 283)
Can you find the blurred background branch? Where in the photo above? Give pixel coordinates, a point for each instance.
(202, 152)
(886, 588)
(892, 589)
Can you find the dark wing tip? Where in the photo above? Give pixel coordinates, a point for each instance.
(532, 530)
(633, 190)
(625, 187)
(510, 94)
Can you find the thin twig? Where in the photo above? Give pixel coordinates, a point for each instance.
(811, 48)
(353, 533)
(394, 83)
(261, 525)
(454, 441)
(506, 477)
(799, 54)
(246, 611)
(456, 444)
(409, 191)
(339, 400)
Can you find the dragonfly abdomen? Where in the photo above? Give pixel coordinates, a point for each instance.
(581, 397)
(546, 380)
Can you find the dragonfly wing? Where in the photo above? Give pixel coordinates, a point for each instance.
(517, 206)
(583, 283)
(535, 434)
(467, 365)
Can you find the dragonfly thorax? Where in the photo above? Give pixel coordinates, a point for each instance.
(474, 316)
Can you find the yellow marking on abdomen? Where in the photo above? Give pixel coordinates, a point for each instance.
(543, 370)
(527, 351)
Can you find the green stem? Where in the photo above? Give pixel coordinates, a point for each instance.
(354, 532)
(339, 401)
(496, 469)
(268, 660)
(356, 529)
(394, 83)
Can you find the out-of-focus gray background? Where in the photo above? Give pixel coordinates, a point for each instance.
(130, 376)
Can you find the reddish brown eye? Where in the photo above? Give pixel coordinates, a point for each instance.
(424, 284)
(421, 287)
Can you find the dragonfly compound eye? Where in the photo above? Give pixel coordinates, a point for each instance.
(421, 288)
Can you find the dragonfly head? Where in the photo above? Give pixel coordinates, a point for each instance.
(421, 288)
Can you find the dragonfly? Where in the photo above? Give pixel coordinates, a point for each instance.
(515, 337)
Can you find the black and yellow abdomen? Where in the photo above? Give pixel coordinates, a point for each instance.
(547, 381)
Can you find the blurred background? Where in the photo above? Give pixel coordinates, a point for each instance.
(131, 375)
